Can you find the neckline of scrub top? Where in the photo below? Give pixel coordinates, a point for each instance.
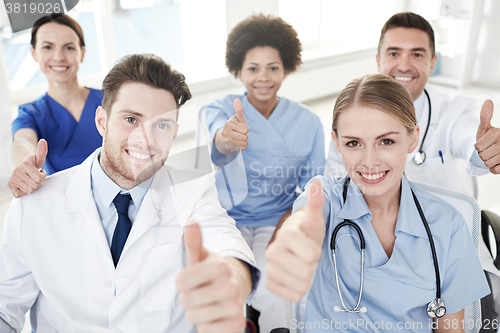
(108, 189)
(273, 113)
(84, 106)
(356, 207)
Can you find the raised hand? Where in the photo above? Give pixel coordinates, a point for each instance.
(488, 139)
(209, 291)
(28, 176)
(293, 256)
(235, 132)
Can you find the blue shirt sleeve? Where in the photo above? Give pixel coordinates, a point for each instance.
(316, 163)
(26, 118)
(463, 281)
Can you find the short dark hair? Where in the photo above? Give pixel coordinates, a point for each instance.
(60, 19)
(408, 20)
(148, 69)
(263, 30)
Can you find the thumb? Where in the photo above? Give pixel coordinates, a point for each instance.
(485, 117)
(194, 243)
(41, 152)
(313, 224)
(238, 108)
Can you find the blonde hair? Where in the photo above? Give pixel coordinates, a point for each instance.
(380, 92)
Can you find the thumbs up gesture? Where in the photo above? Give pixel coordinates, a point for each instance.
(28, 176)
(488, 139)
(212, 289)
(293, 257)
(235, 132)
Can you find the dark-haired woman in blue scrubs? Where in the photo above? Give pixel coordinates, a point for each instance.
(57, 131)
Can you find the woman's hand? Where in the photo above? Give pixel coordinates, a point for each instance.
(234, 135)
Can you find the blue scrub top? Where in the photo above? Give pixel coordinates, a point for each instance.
(396, 290)
(69, 141)
(283, 152)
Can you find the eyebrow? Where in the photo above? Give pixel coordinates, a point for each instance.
(415, 49)
(140, 115)
(50, 43)
(271, 63)
(377, 138)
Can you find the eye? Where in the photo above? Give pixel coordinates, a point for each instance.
(130, 120)
(352, 144)
(418, 55)
(71, 48)
(273, 69)
(386, 142)
(46, 47)
(162, 126)
(252, 69)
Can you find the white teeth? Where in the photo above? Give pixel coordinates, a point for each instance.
(59, 69)
(373, 177)
(140, 156)
(403, 78)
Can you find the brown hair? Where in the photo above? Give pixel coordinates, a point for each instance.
(147, 69)
(263, 30)
(408, 20)
(380, 92)
(60, 19)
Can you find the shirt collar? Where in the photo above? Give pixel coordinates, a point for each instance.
(108, 189)
(408, 221)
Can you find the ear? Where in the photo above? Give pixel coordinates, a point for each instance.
(378, 62)
(239, 74)
(101, 119)
(336, 141)
(175, 132)
(414, 136)
(433, 63)
(33, 53)
(286, 74)
(83, 54)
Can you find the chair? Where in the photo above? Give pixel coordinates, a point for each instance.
(490, 229)
(469, 209)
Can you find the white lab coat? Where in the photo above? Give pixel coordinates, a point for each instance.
(54, 251)
(452, 131)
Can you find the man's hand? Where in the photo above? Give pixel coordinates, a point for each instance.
(28, 176)
(234, 134)
(294, 254)
(488, 139)
(211, 287)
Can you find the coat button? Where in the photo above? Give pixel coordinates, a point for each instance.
(108, 284)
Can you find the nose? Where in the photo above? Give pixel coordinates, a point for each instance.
(142, 137)
(404, 64)
(58, 54)
(371, 159)
(263, 75)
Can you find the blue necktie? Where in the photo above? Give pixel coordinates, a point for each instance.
(123, 226)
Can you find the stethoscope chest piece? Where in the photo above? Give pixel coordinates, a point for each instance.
(436, 308)
(419, 157)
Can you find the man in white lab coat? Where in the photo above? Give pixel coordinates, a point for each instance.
(99, 247)
(454, 145)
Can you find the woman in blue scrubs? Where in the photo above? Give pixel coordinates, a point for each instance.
(374, 128)
(63, 118)
(281, 144)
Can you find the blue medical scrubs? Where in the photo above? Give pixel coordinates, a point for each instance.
(396, 290)
(69, 141)
(283, 152)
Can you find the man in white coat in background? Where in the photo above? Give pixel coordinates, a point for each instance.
(99, 247)
(454, 145)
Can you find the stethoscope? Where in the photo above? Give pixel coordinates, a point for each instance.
(419, 157)
(435, 309)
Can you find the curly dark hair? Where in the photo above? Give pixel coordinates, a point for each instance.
(263, 30)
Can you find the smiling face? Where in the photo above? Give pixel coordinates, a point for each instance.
(58, 52)
(406, 55)
(374, 146)
(262, 73)
(138, 133)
